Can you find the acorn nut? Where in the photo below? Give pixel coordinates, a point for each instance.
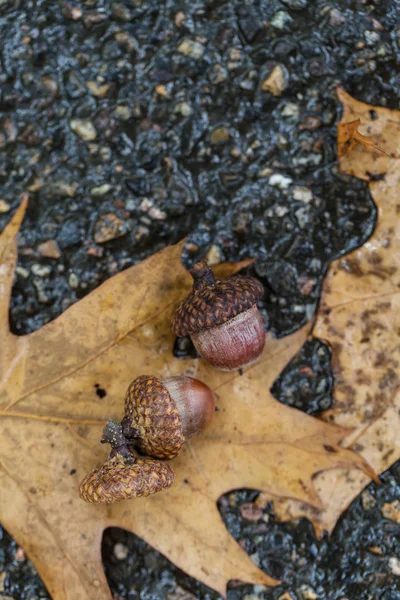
(125, 474)
(222, 319)
(160, 415)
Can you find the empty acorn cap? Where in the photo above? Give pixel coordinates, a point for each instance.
(212, 302)
(150, 410)
(122, 478)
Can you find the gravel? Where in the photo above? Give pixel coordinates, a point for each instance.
(132, 124)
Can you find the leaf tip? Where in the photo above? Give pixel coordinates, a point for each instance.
(13, 226)
(342, 95)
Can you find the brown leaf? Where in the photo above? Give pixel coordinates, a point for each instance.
(51, 420)
(348, 136)
(359, 318)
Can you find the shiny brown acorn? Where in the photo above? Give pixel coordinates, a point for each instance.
(160, 415)
(222, 319)
(125, 474)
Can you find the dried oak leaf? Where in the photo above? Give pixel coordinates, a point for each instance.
(359, 316)
(348, 136)
(51, 419)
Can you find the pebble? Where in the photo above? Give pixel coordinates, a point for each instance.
(281, 20)
(240, 223)
(236, 58)
(123, 112)
(157, 214)
(303, 216)
(394, 565)
(108, 227)
(256, 559)
(4, 206)
(183, 108)
(49, 249)
(84, 128)
(277, 81)
(121, 12)
(41, 270)
(220, 135)
(367, 500)
(302, 194)
(161, 90)
(179, 18)
(217, 74)
(92, 18)
(290, 110)
(280, 181)
(101, 190)
(259, 589)
(310, 159)
(307, 593)
(191, 48)
(22, 272)
(73, 281)
(98, 90)
(180, 594)
(250, 512)
(336, 18)
(214, 255)
(40, 292)
(371, 37)
(391, 510)
(64, 189)
(130, 204)
(267, 172)
(295, 4)
(121, 551)
(285, 596)
(142, 233)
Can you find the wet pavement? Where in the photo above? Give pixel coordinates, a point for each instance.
(134, 123)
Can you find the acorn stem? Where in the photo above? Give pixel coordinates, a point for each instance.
(202, 275)
(128, 431)
(113, 435)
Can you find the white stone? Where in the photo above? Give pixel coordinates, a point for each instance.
(302, 193)
(41, 270)
(280, 181)
(120, 551)
(280, 19)
(371, 37)
(73, 281)
(290, 110)
(22, 272)
(394, 565)
(183, 108)
(191, 48)
(100, 190)
(84, 128)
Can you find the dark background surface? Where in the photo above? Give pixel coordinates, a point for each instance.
(133, 123)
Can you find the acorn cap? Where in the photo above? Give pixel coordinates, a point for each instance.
(150, 410)
(122, 478)
(212, 302)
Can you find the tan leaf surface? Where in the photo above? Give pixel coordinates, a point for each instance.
(348, 136)
(51, 421)
(359, 316)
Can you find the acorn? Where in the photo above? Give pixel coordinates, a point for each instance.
(125, 474)
(160, 415)
(222, 319)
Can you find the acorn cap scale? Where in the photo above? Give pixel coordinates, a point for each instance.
(150, 410)
(212, 302)
(122, 478)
